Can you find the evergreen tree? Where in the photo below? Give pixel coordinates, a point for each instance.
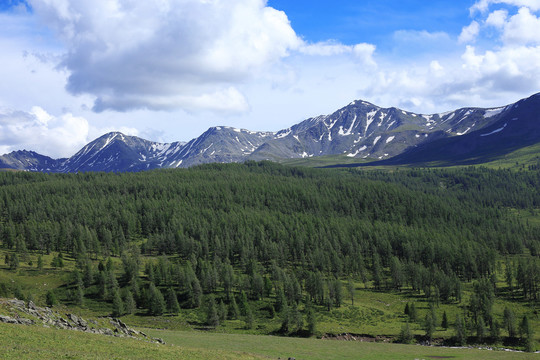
(405, 335)
(172, 302)
(509, 322)
(444, 323)
(222, 311)
(460, 334)
(311, 320)
(212, 317)
(429, 325)
(118, 304)
(156, 302)
(249, 317)
(13, 261)
(412, 313)
(527, 334)
(234, 311)
(50, 298)
(129, 302)
(480, 329)
(39, 265)
(350, 288)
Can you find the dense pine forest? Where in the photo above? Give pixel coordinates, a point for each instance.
(237, 240)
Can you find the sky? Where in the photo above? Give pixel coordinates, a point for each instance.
(167, 70)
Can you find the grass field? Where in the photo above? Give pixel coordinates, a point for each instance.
(33, 342)
(277, 347)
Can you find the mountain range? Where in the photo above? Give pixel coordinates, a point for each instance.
(359, 130)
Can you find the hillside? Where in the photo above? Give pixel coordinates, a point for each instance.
(266, 249)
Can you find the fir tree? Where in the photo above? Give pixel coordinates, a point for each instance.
(172, 302)
(212, 317)
(129, 302)
(406, 335)
(118, 304)
(460, 334)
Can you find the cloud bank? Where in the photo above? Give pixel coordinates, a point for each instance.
(166, 54)
(39, 131)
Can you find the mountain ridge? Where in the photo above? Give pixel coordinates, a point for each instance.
(359, 130)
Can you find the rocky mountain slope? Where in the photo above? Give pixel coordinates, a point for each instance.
(359, 130)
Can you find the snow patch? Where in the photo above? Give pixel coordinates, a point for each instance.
(495, 131)
(283, 134)
(390, 139)
(463, 133)
(352, 125)
(381, 118)
(376, 140)
(369, 119)
(492, 112)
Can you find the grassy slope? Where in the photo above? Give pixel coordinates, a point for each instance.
(519, 159)
(33, 342)
(374, 313)
(284, 348)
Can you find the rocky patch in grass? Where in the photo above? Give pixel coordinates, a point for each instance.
(29, 314)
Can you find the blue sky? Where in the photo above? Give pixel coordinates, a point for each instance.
(370, 20)
(166, 70)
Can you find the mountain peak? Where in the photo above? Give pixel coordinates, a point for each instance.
(359, 130)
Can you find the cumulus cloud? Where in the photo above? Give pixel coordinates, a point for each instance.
(63, 135)
(522, 29)
(469, 33)
(163, 54)
(497, 18)
(482, 6)
(362, 52)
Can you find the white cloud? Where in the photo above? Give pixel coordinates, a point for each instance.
(497, 18)
(469, 33)
(522, 29)
(152, 54)
(39, 131)
(362, 52)
(483, 5)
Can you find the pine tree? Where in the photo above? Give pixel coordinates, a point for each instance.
(509, 322)
(156, 302)
(172, 302)
(429, 325)
(460, 334)
(234, 311)
(129, 303)
(350, 288)
(311, 320)
(39, 265)
(412, 312)
(249, 317)
(50, 298)
(222, 311)
(444, 323)
(480, 328)
(212, 318)
(406, 335)
(118, 304)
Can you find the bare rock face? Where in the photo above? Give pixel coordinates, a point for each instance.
(49, 318)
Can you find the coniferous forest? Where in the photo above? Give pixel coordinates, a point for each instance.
(222, 239)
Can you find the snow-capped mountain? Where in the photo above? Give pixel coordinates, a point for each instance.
(359, 130)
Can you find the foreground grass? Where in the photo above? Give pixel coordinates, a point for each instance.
(278, 347)
(33, 342)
